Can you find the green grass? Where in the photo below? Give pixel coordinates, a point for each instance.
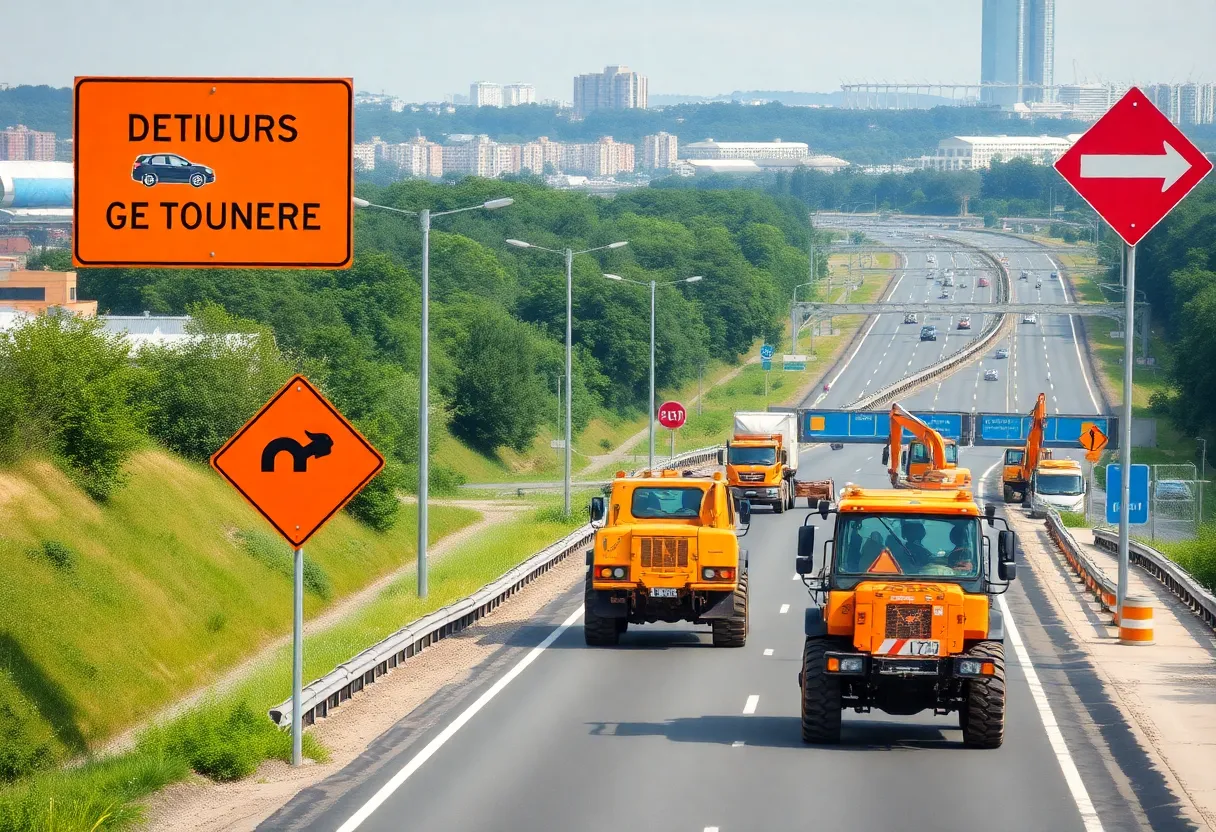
(1196, 556)
(1072, 520)
(118, 609)
(227, 737)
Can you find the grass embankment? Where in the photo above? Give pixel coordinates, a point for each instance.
(229, 735)
(746, 391)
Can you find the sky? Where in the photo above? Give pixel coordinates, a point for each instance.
(421, 51)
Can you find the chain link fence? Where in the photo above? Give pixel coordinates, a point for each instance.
(1174, 494)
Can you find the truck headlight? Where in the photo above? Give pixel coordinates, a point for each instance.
(974, 667)
(852, 664)
(772, 492)
(618, 572)
(717, 573)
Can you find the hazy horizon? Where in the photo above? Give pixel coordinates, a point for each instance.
(705, 49)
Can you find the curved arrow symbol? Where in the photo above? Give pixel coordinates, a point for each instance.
(1169, 167)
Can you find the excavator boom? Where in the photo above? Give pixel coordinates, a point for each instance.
(936, 475)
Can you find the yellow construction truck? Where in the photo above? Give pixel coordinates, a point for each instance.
(762, 458)
(931, 461)
(666, 548)
(904, 619)
(1031, 475)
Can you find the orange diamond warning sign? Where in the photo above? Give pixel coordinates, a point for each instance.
(298, 461)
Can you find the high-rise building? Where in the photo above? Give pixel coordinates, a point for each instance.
(1166, 99)
(1017, 48)
(660, 151)
(515, 94)
(1196, 103)
(1088, 102)
(20, 143)
(616, 88)
(536, 155)
(485, 94)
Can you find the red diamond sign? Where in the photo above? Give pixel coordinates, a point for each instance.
(1133, 166)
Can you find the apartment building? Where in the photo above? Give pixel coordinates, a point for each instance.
(485, 94)
(417, 158)
(535, 155)
(515, 94)
(38, 291)
(20, 143)
(660, 151)
(616, 88)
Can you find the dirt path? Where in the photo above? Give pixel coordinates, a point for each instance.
(492, 513)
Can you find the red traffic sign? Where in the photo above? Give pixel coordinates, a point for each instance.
(1133, 166)
(672, 415)
(298, 461)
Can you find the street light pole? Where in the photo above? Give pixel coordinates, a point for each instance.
(424, 451)
(568, 254)
(1203, 473)
(653, 285)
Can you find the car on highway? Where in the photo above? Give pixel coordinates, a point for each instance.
(1002, 353)
(983, 281)
(1029, 319)
(928, 333)
(152, 168)
(944, 295)
(964, 322)
(1055, 275)
(910, 317)
(991, 375)
(1025, 275)
(1038, 284)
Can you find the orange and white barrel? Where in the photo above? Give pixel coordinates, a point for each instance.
(1136, 622)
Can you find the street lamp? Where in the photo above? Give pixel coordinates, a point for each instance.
(569, 255)
(424, 453)
(652, 284)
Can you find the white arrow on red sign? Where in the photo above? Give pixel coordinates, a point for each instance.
(1169, 166)
(1133, 166)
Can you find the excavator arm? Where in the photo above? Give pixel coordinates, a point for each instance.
(901, 419)
(1034, 440)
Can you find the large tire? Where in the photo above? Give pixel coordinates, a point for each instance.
(732, 632)
(779, 506)
(983, 714)
(597, 631)
(821, 696)
(1011, 495)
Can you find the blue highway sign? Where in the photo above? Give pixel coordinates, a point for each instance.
(1059, 432)
(1137, 505)
(870, 425)
(767, 351)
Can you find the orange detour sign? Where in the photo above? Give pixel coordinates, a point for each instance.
(298, 461)
(1092, 437)
(231, 172)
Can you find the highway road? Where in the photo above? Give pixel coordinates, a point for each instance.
(666, 732)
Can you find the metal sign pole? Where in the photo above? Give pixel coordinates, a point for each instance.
(297, 657)
(673, 447)
(1125, 451)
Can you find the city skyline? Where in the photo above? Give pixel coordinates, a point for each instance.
(1108, 39)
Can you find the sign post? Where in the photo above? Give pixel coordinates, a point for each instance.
(1132, 167)
(298, 461)
(672, 415)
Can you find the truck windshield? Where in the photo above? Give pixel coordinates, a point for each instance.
(919, 452)
(1059, 484)
(751, 456)
(908, 545)
(657, 503)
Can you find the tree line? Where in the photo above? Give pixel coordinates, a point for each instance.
(497, 327)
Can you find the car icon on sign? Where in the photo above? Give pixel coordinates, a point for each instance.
(151, 168)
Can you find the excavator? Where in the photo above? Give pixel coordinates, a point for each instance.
(1021, 462)
(1031, 474)
(931, 462)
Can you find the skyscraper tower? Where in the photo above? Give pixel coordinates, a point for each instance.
(1018, 48)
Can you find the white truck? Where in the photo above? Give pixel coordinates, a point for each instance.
(762, 458)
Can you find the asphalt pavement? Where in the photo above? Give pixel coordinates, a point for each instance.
(665, 732)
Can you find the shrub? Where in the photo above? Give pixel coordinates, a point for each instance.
(1197, 556)
(71, 387)
(223, 740)
(27, 743)
(216, 622)
(278, 557)
(57, 554)
(377, 505)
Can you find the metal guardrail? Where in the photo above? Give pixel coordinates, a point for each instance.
(996, 330)
(1103, 587)
(322, 695)
(1176, 579)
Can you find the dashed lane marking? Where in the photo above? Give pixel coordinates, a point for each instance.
(752, 702)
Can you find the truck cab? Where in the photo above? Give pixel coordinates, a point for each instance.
(904, 620)
(1058, 483)
(666, 549)
(761, 458)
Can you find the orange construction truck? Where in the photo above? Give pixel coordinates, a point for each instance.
(931, 461)
(904, 620)
(762, 458)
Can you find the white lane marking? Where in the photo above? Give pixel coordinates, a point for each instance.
(860, 343)
(752, 702)
(1080, 796)
(711, 829)
(447, 733)
(784, 609)
(1076, 344)
(737, 744)
(768, 651)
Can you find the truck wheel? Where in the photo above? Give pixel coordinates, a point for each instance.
(1010, 495)
(983, 714)
(779, 506)
(622, 624)
(821, 697)
(732, 632)
(598, 631)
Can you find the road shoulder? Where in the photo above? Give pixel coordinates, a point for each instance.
(1164, 694)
